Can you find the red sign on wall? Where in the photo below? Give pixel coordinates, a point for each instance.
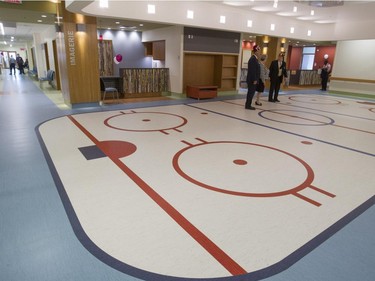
(13, 1)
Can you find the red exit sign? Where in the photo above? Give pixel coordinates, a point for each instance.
(13, 1)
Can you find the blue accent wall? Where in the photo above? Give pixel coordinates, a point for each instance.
(129, 45)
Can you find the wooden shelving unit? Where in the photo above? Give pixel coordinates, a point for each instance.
(155, 49)
(214, 69)
(229, 65)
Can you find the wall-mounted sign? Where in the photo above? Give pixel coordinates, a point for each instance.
(13, 1)
(72, 48)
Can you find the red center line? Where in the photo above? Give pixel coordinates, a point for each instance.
(225, 260)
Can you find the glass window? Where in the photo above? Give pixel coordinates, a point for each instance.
(308, 57)
(307, 62)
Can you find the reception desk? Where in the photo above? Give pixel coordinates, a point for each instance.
(144, 82)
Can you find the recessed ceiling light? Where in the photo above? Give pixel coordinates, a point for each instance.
(249, 23)
(190, 14)
(117, 22)
(151, 9)
(40, 21)
(43, 16)
(103, 3)
(222, 19)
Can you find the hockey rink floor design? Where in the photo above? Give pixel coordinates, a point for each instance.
(210, 190)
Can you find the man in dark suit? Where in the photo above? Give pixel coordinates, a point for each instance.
(277, 72)
(253, 75)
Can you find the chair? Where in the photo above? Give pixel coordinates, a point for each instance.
(49, 78)
(107, 89)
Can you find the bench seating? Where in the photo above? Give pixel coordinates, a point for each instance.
(201, 92)
(49, 78)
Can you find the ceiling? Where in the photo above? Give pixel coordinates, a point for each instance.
(21, 22)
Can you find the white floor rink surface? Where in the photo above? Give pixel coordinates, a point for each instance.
(209, 189)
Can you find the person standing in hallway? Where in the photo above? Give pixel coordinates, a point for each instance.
(262, 80)
(20, 63)
(1, 62)
(253, 75)
(12, 65)
(326, 69)
(277, 73)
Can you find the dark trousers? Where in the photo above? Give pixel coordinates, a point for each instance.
(12, 66)
(20, 68)
(275, 88)
(324, 82)
(250, 94)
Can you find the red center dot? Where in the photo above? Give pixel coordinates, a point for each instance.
(239, 162)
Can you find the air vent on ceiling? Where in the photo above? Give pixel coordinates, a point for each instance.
(322, 4)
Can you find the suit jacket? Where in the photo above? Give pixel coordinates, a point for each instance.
(253, 70)
(274, 70)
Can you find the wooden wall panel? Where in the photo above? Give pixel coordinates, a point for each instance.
(105, 49)
(80, 72)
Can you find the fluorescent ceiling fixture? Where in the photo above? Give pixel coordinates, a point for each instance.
(103, 3)
(312, 12)
(222, 19)
(263, 9)
(151, 9)
(249, 23)
(292, 30)
(117, 22)
(236, 3)
(272, 26)
(325, 21)
(43, 16)
(304, 18)
(1, 29)
(40, 21)
(295, 9)
(285, 14)
(190, 14)
(308, 32)
(275, 4)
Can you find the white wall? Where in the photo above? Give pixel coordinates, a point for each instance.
(354, 60)
(173, 37)
(207, 13)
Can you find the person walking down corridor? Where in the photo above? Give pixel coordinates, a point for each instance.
(12, 65)
(20, 63)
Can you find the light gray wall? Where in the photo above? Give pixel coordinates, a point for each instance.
(354, 60)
